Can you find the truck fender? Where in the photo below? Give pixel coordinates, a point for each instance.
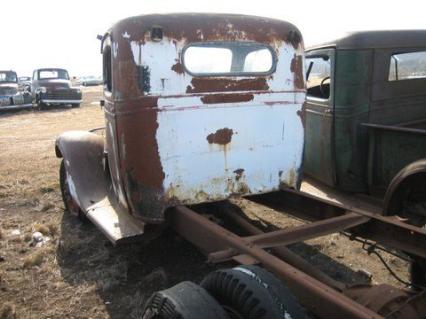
(409, 179)
(90, 186)
(82, 152)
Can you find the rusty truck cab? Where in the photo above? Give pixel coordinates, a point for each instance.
(200, 107)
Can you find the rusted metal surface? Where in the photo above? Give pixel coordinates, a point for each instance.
(90, 188)
(389, 301)
(411, 178)
(182, 138)
(319, 298)
(284, 253)
(313, 288)
(387, 231)
(308, 231)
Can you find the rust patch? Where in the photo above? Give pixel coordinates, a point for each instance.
(221, 137)
(295, 38)
(178, 68)
(296, 67)
(201, 85)
(207, 27)
(239, 173)
(226, 98)
(302, 114)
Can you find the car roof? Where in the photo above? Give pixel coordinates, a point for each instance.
(207, 27)
(50, 69)
(377, 40)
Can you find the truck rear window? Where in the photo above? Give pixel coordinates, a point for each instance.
(407, 66)
(228, 59)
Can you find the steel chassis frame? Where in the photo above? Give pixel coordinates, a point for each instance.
(322, 295)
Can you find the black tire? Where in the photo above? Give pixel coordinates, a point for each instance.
(75, 105)
(70, 205)
(418, 272)
(186, 300)
(252, 292)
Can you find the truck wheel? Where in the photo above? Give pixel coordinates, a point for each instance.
(70, 204)
(75, 105)
(418, 271)
(183, 301)
(252, 292)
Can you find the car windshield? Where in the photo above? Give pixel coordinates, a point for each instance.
(8, 77)
(53, 74)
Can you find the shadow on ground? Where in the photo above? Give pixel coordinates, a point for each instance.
(125, 276)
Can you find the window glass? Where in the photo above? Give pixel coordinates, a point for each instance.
(53, 74)
(107, 77)
(228, 58)
(407, 66)
(318, 82)
(8, 77)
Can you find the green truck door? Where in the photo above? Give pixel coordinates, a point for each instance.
(319, 116)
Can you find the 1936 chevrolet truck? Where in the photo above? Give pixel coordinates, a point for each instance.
(199, 108)
(366, 117)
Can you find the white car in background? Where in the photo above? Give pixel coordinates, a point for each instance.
(89, 80)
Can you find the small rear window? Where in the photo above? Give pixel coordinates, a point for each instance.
(408, 66)
(228, 59)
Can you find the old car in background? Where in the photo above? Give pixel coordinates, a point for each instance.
(365, 120)
(182, 130)
(24, 83)
(89, 81)
(11, 97)
(366, 117)
(52, 86)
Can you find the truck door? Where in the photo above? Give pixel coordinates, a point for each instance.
(319, 116)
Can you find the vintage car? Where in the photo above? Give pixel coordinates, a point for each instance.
(89, 81)
(173, 129)
(52, 86)
(366, 117)
(11, 97)
(24, 83)
(200, 108)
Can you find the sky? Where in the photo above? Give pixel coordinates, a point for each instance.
(55, 33)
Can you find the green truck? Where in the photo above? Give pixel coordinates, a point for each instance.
(365, 118)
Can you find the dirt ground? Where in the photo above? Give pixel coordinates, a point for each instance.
(78, 273)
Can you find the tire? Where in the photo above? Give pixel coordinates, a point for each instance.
(75, 105)
(70, 204)
(418, 272)
(186, 300)
(252, 292)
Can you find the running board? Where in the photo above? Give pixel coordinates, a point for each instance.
(116, 223)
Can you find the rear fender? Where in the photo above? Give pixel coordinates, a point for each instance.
(90, 186)
(82, 152)
(410, 178)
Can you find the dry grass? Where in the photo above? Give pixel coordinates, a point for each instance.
(36, 259)
(78, 274)
(8, 311)
(42, 229)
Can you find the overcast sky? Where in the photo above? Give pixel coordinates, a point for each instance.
(54, 33)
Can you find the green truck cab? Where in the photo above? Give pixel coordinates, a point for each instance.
(365, 117)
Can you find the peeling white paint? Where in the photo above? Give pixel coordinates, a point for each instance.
(267, 140)
(115, 49)
(268, 155)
